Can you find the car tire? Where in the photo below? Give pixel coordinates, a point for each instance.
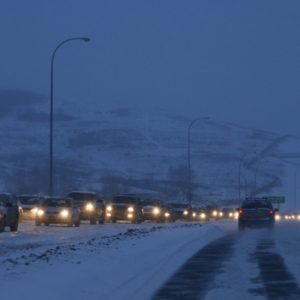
(93, 221)
(2, 225)
(14, 227)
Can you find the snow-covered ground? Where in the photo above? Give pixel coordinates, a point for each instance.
(114, 261)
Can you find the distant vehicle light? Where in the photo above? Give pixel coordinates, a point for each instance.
(185, 212)
(277, 217)
(230, 215)
(130, 216)
(202, 216)
(194, 215)
(109, 208)
(156, 211)
(220, 214)
(215, 213)
(167, 215)
(108, 214)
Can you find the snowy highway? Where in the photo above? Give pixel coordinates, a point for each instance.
(150, 261)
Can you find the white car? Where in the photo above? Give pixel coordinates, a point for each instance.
(58, 210)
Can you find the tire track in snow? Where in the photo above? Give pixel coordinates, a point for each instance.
(194, 277)
(278, 282)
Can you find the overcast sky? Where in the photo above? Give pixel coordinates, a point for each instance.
(235, 61)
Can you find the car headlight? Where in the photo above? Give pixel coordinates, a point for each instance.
(220, 214)
(90, 207)
(194, 215)
(64, 213)
(109, 208)
(298, 217)
(130, 216)
(130, 209)
(40, 212)
(167, 214)
(202, 216)
(185, 212)
(277, 217)
(214, 213)
(156, 211)
(230, 215)
(34, 211)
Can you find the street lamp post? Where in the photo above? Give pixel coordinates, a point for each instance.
(85, 39)
(295, 188)
(189, 193)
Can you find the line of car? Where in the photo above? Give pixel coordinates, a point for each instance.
(88, 206)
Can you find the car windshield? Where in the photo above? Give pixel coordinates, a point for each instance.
(28, 200)
(256, 204)
(150, 202)
(124, 200)
(57, 202)
(5, 198)
(81, 197)
(178, 205)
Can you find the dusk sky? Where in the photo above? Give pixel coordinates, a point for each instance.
(236, 61)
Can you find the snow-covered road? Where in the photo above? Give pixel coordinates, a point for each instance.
(114, 261)
(123, 261)
(255, 264)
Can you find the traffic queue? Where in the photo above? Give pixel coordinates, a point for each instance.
(78, 206)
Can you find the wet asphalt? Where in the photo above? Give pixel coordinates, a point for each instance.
(196, 277)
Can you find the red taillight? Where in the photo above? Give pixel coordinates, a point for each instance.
(241, 211)
(271, 212)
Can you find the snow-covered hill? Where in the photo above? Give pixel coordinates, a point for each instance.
(133, 150)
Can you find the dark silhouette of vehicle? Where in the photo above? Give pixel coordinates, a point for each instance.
(10, 213)
(256, 212)
(153, 210)
(214, 212)
(180, 211)
(124, 207)
(58, 210)
(92, 207)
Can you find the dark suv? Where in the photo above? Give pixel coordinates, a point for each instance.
(256, 212)
(91, 207)
(124, 207)
(9, 211)
(153, 210)
(180, 211)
